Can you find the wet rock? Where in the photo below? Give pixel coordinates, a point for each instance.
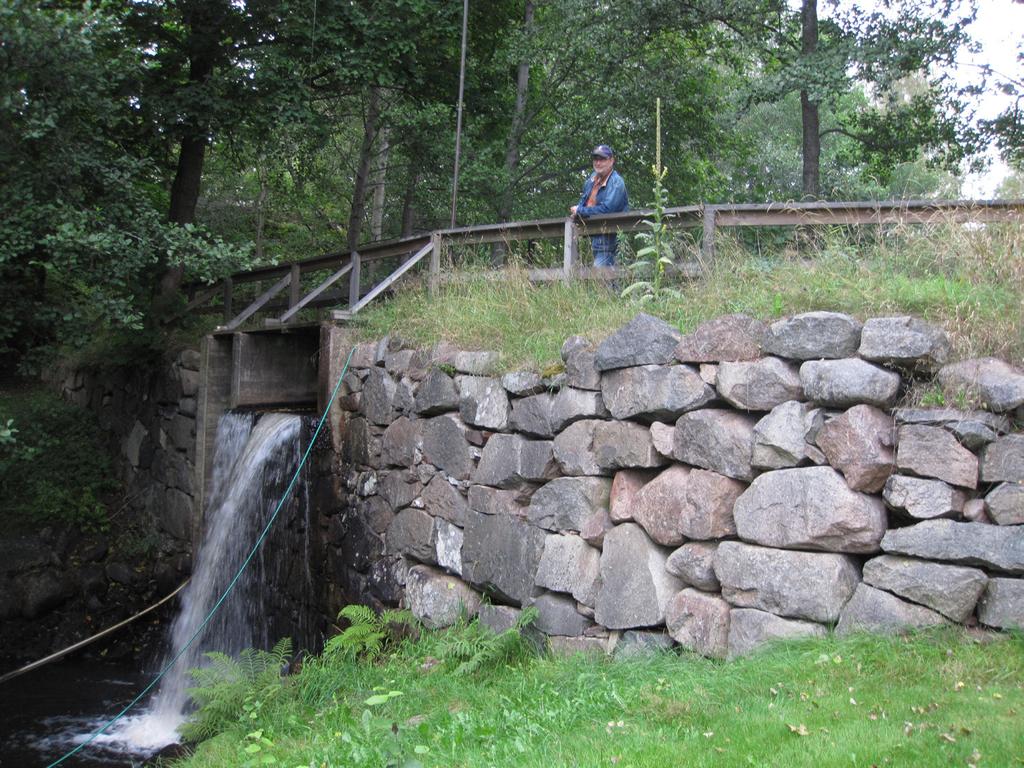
(412, 533)
(438, 600)
(400, 488)
(41, 592)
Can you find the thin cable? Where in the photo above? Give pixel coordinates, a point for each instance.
(93, 736)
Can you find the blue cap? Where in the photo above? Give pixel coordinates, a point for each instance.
(602, 150)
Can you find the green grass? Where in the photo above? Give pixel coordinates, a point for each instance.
(937, 699)
(967, 279)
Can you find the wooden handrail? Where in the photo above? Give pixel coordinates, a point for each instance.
(709, 217)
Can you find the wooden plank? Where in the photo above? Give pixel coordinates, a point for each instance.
(707, 246)
(229, 291)
(435, 262)
(356, 260)
(570, 249)
(295, 286)
(262, 299)
(293, 309)
(391, 279)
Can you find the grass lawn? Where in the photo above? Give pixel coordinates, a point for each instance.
(937, 699)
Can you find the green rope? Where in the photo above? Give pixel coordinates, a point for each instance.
(93, 736)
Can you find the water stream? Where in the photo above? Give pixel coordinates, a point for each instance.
(255, 457)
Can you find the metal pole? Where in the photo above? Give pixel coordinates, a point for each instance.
(458, 119)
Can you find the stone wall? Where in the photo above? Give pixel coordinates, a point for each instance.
(717, 490)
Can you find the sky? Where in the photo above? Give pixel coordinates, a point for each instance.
(999, 28)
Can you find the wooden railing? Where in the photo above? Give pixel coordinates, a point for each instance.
(414, 250)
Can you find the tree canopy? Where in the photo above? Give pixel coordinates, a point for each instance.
(159, 141)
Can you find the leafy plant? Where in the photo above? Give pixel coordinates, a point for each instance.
(474, 647)
(230, 690)
(656, 255)
(368, 635)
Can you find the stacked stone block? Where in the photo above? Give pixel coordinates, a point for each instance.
(718, 490)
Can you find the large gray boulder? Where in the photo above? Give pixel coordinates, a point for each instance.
(490, 501)
(399, 487)
(436, 394)
(872, 610)
(442, 499)
(1003, 460)
(716, 439)
(813, 336)
(859, 443)
(730, 337)
(905, 342)
(781, 438)
(557, 616)
(635, 587)
(532, 415)
(952, 590)
(998, 385)
(580, 358)
(1005, 504)
(437, 599)
(571, 404)
(758, 385)
(933, 452)
(522, 383)
(694, 563)
(802, 585)
(644, 340)
(500, 555)
(570, 565)
(848, 382)
(654, 391)
(445, 446)
(992, 546)
(750, 629)
(483, 402)
(809, 508)
(923, 499)
(699, 622)
(974, 429)
(379, 391)
(593, 447)
(565, 503)
(510, 461)
(412, 534)
(1002, 605)
(401, 442)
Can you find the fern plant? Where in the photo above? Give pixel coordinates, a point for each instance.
(229, 688)
(368, 635)
(475, 647)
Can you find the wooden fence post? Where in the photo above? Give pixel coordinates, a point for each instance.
(294, 286)
(570, 250)
(435, 262)
(354, 277)
(707, 248)
(229, 289)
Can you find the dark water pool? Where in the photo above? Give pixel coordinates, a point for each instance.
(48, 712)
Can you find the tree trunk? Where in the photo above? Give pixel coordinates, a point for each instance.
(515, 136)
(261, 209)
(355, 219)
(379, 178)
(809, 109)
(409, 205)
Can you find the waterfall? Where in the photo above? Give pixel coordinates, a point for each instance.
(254, 460)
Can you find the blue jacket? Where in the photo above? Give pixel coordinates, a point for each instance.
(611, 198)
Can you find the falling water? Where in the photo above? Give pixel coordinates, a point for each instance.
(254, 460)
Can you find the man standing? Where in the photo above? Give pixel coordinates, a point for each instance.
(603, 192)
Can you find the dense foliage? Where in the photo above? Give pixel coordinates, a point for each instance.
(157, 142)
